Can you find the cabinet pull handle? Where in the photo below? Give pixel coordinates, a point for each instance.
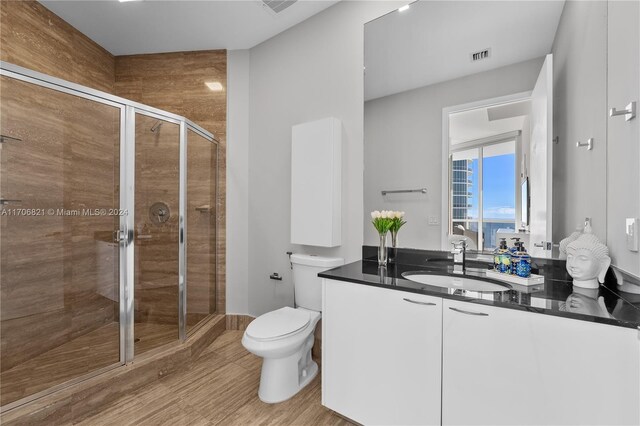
(480, 314)
(418, 303)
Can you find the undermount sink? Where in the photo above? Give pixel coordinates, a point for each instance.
(448, 281)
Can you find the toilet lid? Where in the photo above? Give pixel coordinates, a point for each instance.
(278, 323)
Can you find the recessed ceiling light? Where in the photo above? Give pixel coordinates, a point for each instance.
(124, 1)
(401, 9)
(215, 86)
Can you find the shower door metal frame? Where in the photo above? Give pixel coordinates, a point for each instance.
(126, 235)
(182, 235)
(127, 246)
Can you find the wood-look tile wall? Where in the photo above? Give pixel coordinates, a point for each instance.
(175, 82)
(238, 322)
(33, 37)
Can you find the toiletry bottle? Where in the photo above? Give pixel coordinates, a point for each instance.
(521, 261)
(502, 257)
(514, 248)
(515, 256)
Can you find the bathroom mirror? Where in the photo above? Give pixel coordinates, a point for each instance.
(482, 103)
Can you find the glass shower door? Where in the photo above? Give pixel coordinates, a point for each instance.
(202, 164)
(157, 189)
(59, 265)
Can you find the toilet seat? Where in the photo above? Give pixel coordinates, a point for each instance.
(277, 324)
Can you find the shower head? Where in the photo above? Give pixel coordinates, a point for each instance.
(156, 126)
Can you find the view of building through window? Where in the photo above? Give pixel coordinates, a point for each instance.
(492, 168)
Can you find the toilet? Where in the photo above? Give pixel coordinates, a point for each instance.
(284, 337)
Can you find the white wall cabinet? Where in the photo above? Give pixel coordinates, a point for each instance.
(505, 367)
(381, 353)
(384, 360)
(316, 183)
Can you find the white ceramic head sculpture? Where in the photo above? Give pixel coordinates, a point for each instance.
(571, 238)
(587, 261)
(580, 229)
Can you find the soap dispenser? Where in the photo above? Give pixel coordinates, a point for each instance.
(514, 248)
(521, 261)
(502, 258)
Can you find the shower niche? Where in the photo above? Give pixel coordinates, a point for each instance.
(107, 231)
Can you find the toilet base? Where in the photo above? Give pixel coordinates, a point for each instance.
(282, 378)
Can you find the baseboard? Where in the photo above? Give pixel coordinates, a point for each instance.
(238, 322)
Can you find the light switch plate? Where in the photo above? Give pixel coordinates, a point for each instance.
(433, 220)
(632, 233)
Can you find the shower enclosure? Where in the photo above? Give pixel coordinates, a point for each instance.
(108, 231)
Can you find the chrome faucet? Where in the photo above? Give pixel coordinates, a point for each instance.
(459, 256)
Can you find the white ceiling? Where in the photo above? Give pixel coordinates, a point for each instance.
(475, 123)
(135, 27)
(431, 42)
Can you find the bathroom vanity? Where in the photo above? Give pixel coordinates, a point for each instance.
(399, 352)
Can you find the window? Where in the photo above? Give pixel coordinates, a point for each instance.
(483, 190)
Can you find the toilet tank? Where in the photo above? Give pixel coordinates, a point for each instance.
(307, 284)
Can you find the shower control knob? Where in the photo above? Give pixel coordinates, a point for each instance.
(159, 213)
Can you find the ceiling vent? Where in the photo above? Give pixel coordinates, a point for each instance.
(482, 54)
(277, 6)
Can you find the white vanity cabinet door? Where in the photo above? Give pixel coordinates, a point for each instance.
(513, 367)
(381, 354)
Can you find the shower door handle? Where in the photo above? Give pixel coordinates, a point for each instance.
(120, 236)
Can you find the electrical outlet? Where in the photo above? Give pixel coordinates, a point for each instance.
(433, 220)
(632, 233)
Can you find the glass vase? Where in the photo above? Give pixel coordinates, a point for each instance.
(382, 274)
(394, 246)
(382, 250)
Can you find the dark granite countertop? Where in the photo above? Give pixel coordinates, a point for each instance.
(555, 297)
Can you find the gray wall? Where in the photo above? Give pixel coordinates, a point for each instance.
(311, 71)
(580, 112)
(237, 267)
(403, 146)
(623, 155)
(597, 55)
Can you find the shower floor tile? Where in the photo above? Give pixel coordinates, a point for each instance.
(89, 352)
